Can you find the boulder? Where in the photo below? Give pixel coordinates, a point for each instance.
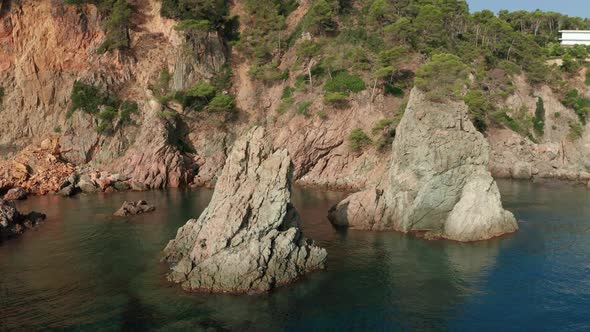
(67, 191)
(121, 186)
(16, 194)
(134, 208)
(249, 238)
(438, 182)
(13, 223)
(86, 184)
(138, 186)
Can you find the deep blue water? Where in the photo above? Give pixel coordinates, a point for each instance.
(86, 270)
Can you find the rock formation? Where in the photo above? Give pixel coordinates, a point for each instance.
(13, 223)
(134, 208)
(438, 183)
(157, 163)
(249, 237)
(16, 194)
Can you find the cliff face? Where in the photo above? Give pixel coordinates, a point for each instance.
(437, 184)
(45, 46)
(555, 155)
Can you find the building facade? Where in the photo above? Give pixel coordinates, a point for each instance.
(575, 37)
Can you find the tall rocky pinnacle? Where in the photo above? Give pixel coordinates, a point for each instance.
(249, 237)
(438, 183)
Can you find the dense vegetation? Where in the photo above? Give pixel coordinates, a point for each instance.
(116, 15)
(347, 47)
(103, 106)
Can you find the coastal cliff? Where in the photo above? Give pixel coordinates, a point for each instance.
(335, 114)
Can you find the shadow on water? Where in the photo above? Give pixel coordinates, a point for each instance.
(86, 269)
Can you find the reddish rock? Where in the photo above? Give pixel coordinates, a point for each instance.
(16, 194)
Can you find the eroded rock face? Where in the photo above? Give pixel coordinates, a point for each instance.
(249, 237)
(13, 223)
(158, 162)
(438, 183)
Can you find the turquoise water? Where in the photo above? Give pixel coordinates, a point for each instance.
(86, 270)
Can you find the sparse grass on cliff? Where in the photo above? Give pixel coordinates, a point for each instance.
(357, 139)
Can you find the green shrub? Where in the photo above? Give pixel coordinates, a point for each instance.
(539, 120)
(287, 92)
(88, 98)
(478, 106)
(322, 114)
(57, 129)
(503, 117)
(587, 77)
(127, 109)
(345, 83)
(557, 115)
(335, 98)
(442, 78)
(576, 130)
(117, 36)
(221, 103)
(381, 125)
(392, 90)
(213, 11)
(268, 73)
(357, 139)
(167, 114)
(286, 103)
(303, 108)
(108, 114)
(201, 89)
(580, 104)
(198, 96)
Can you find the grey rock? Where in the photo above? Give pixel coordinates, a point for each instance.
(67, 191)
(249, 238)
(138, 186)
(16, 194)
(522, 171)
(87, 187)
(121, 186)
(438, 184)
(134, 208)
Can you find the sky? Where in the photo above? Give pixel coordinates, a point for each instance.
(570, 7)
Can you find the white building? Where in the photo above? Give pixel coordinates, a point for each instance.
(575, 37)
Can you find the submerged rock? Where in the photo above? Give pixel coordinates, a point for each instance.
(13, 223)
(134, 208)
(249, 238)
(438, 183)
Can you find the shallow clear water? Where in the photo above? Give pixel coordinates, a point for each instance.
(86, 270)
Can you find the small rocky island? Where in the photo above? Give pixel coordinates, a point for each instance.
(134, 208)
(438, 182)
(249, 238)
